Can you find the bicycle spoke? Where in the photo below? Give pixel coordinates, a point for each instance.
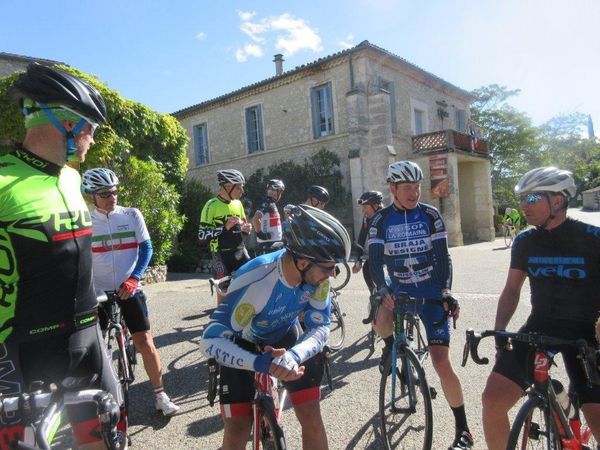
(532, 429)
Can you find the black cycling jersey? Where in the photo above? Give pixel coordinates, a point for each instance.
(563, 267)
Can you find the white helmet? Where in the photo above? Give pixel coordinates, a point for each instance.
(507, 211)
(404, 172)
(95, 179)
(547, 179)
(230, 176)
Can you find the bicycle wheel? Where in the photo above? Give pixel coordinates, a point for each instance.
(405, 404)
(131, 357)
(343, 276)
(271, 434)
(213, 371)
(508, 237)
(534, 428)
(337, 329)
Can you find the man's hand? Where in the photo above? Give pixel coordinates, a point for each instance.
(386, 296)
(357, 266)
(451, 306)
(232, 222)
(284, 366)
(128, 288)
(246, 227)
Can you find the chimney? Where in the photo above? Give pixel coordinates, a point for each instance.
(278, 64)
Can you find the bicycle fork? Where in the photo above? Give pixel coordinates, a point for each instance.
(407, 380)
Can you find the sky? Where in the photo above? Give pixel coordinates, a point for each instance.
(173, 54)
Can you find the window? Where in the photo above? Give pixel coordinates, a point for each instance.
(201, 144)
(419, 121)
(322, 110)
(461, 124)
(389, 86)
(254, 129)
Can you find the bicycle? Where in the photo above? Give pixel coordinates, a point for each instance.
(404, 394)
(119, 342)
(337, 329)
(542, 422)
(342, 276)
(42, 411)
(267, 432)
(509, 233)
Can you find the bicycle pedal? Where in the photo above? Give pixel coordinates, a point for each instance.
(433, 393)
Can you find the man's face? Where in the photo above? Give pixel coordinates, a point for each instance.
(235, 190)
(536, 208)
(368, 210)
(84, 140)
(406, 195)
(106, 199)
(274, 194)
(319, 272)
(316, 203)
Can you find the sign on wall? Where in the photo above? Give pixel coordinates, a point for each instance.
(438, 174)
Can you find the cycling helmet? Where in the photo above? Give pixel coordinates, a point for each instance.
(319, 192)
(310, 233)
(547, 179)
(230, 176)
(45, 85)
(370, 198)
(275, 185)
(95, 179)
(404, 172)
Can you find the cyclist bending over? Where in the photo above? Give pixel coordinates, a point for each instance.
(121, 250)
(48, 318)
(561, 258)
(512, 217)
(261, 307)
(410, 238)
(266, 220)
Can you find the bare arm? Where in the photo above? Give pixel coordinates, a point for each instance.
(509, 299)
(257, 221)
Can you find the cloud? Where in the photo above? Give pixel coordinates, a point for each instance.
(291, 35)
(346, 42)
(201, 36)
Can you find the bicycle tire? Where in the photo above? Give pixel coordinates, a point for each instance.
(337, 329)
(131, 357)
(213, 384)
(340, 281)
(272, 436)
(534, 428)
(402, 427)
(508, 237)
(122, 372)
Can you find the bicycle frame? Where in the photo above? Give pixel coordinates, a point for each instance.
(269, 397)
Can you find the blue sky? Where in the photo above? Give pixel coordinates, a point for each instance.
(170, 55)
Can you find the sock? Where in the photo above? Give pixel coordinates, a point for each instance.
(460, 419)
(159, 390)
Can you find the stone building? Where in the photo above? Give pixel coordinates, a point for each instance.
(368, 106)
(10, 63)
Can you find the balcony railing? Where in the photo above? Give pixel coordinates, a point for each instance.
(448, 140)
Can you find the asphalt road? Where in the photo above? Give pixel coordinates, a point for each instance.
(180, 308)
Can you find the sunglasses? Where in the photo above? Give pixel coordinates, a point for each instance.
(107, 194)
(325, 269)
(530, 199)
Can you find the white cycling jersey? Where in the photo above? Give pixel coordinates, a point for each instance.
(115, 242)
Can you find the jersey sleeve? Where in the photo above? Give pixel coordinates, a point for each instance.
(376, 247)
(141, 231)
(439, 240)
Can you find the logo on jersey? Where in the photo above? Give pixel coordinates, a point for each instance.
(556, 267)
(412, 270)
(244, 313)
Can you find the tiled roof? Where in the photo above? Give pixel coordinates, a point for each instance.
(4, 55)
(363, 45)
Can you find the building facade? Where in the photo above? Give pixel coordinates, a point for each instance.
(369, 107)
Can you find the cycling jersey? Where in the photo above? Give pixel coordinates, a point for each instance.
(514, 217)
(212, 220)
(563, 267)
(116, 242)
(413, 246)
(261, 307)
(45, 259)
(270, 221)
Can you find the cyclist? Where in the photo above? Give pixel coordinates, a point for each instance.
(410, 238)
(121, 250)
(371, 202)
(48, 308)
(318, 197)
(221, 223)
(512, 217)
(561, 258)
(266, 220)
(262, 306)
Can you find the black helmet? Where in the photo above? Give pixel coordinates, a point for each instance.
(370, 198)
(275, 185)
(319, 192)
(45, 85)
(313, 234)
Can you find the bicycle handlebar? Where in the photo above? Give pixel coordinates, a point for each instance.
(402, 300)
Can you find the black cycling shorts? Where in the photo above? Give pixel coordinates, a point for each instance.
(81, 353)
(237, 386)
(517, 364)
(134, 311)
(225, 262)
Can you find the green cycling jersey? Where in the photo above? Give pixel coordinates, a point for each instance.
(214, 215)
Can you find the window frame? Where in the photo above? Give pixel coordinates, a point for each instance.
(255, 143)
(201, 149)
(323, 115)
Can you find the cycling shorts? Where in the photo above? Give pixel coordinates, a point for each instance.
(134, 311)
(236, 390)
(225, 262)
(517, 364)
(81, 353)
(430, 314)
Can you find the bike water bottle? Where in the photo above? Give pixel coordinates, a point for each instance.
(563, 399)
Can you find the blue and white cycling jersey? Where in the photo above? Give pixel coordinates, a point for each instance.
(260, 306)
(413, 245)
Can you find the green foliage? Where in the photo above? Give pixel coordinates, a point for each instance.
(322, 169)
(144, 187)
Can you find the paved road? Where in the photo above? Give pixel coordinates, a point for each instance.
(180, 309)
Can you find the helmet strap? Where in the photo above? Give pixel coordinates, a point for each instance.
(302, 271)
(70, 135)
(553, 211)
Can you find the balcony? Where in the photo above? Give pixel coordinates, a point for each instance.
(448, 141)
